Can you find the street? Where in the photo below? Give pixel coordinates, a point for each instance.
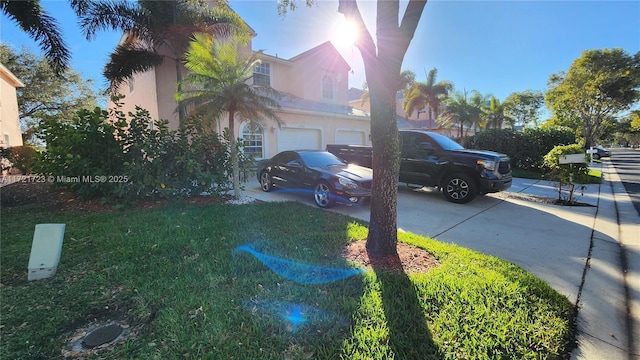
(627, 164)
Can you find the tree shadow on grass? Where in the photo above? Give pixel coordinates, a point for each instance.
(409, 334)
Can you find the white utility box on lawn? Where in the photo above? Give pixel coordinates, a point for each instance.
(45, 250)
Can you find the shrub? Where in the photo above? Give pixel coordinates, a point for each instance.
(526, 148)
(566, 173)
(19, 157)
(123, 158)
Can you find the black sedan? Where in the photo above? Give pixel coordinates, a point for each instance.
(600, 152)
(330, 179)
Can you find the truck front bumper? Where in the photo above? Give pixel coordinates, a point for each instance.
(495, 185)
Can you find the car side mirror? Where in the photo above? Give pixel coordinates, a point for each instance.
(294, 163)
(426, 146)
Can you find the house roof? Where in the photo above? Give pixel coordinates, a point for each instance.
(9, 77)
(290, 101)
(327, 49)
(355, 94)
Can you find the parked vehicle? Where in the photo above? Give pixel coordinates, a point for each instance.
(331, 179)
(601, 152)
(432, 159)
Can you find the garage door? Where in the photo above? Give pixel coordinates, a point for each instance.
(292, 139)
(346, 137)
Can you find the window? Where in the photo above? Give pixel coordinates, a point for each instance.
(252, 140)
(327, 87)
(131, 84)
(262, 75)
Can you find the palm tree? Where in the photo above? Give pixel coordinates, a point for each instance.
(156, 30)
(36, 22)
(422, 94)
(476, 105)
(218, 81)
(460, 110)
(494, 114)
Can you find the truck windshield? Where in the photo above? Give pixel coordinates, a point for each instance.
(445, 142)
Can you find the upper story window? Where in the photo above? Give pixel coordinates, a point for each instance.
(327, 87)
(132, 84)
(262, 75)
(252, 140)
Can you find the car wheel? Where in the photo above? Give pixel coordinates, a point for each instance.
(322, 195)
(459, 188)
(596, 156)
(265, 182)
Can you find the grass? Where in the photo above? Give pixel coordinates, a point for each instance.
(173, 275)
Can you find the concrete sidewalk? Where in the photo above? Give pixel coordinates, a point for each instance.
(609, 302)
(590, 254)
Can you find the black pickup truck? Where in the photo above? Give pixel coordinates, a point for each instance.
(432, 159)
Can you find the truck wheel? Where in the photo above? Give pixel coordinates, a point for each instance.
(322, 195)
(459, 188)
(265, 182)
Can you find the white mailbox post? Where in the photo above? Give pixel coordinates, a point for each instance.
(45, 250)
(591, 151)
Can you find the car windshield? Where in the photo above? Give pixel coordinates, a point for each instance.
(445, 142)
(320, 159)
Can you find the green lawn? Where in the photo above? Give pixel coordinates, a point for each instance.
(173, 276)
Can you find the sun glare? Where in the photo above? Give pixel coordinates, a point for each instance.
(345, 33)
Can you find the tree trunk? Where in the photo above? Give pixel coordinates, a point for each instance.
(235, 176)
(382, 68)
(181, 110)
(383, 224)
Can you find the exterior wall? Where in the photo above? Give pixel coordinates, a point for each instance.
(140, 92)
(10, 132)
(310, 70)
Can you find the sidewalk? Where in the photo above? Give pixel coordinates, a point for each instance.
(609, 299)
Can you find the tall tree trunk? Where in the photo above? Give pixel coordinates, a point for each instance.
(235, 177)
(181, 110)
(382, 68)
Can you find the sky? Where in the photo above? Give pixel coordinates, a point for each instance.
(495, 47)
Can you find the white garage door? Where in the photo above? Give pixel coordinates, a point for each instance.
(296, 139)
(346, 137)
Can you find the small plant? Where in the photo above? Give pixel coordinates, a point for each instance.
(569, 173)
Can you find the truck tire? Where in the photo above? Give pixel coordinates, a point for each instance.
(322, 195)
(459, 188)
(266, 184)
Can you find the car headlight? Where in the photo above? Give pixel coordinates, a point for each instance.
(487, 164)
(346, 183)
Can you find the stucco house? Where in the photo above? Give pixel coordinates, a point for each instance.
(314, 106)
(10, 132)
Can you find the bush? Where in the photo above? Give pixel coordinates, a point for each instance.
(123, 159)
(526, 148)
(19, 157)
(566, 173)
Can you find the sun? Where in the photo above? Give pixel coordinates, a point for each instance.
(345, 33)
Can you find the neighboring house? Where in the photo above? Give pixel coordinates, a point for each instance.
(314, 107)
(419, 119)
(9, 113)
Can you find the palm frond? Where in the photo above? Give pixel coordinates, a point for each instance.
(124, 62)
(43, 28)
